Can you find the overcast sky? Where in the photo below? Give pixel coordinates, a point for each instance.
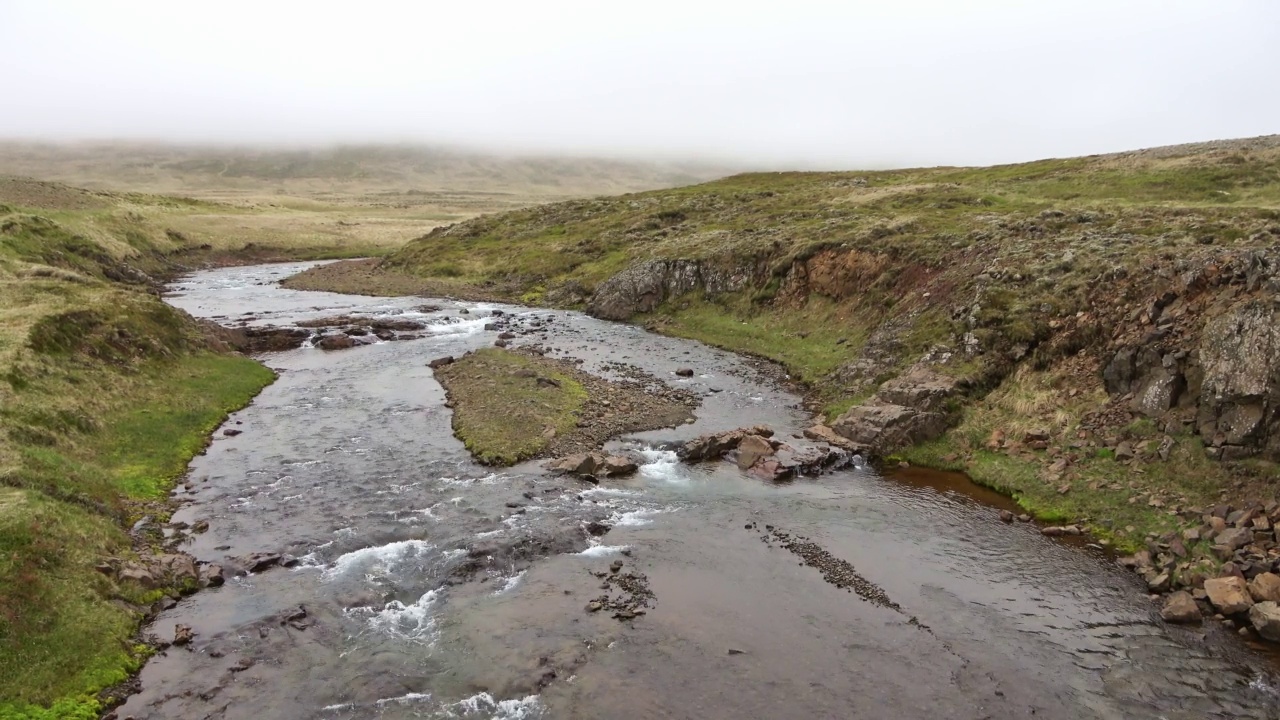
(791, 82)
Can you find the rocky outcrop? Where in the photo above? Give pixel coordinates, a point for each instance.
(906, 410)
(757, 453)
(646, 285)
(1205, 353)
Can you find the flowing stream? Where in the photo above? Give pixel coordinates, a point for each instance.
(428, 586)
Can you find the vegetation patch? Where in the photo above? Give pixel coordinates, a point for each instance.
(510, 406)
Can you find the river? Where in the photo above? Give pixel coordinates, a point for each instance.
(428, 586)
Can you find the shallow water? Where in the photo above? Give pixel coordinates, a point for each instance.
(434, 587)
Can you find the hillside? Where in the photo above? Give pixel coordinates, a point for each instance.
(337, 172)
(1096, 336)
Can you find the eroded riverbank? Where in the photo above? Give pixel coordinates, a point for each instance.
(430, 586)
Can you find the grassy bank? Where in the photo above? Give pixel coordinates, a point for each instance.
(106, 393)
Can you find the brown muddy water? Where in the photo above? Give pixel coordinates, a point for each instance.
(436, 588)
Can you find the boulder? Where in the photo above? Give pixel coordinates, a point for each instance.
(1229, 595)
(440, 362)
(1265, 587)
(1265, 618)
(685, 372)
(751, 450)
(919, 389)
(580, 464)
(1234, 538)
(273, 339)
(139, 574)
(617, 465)
(182, 634)
(335, 342)
(1180, 607)
(883, 428)
(822, 433)
(212, 575)
(774, 470)
(178, 568)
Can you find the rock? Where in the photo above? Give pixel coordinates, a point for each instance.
(1234, 538)
(596, 528)
(1053, 531)
(1240, 356)
(335, 342)
(182, 634)
(1228, 594)
(1265, 618)
(773, 470)
(645, 285)
(685, 372)
(231, 432)
(615, 566)
(710, 447)
(1159, 584)
(506, 336)
(1037, 435)
(1265, 587)
(617, 465)
(595, 606)
(1024, 518)
(822, 433)
(134, 572)
(1124, 451)
(257, 562)
(1180, 607)
(1006, 516)
(440, 362)
(201, 526)
(178, 568)
(883, 428)
(213, 575)
(751, 450)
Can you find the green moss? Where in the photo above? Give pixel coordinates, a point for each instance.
(503, 406)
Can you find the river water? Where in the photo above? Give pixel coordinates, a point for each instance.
(434, 587)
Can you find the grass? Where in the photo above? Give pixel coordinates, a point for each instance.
(503, 409)
(811, 341)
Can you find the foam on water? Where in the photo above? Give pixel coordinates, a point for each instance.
(405, 699)
(663, 466)
(604, 550)
(510, 583)
(408, 622)
(483, 704)
(383, 557)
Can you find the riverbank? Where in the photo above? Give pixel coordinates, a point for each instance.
(1094, 336)
(107, 394)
